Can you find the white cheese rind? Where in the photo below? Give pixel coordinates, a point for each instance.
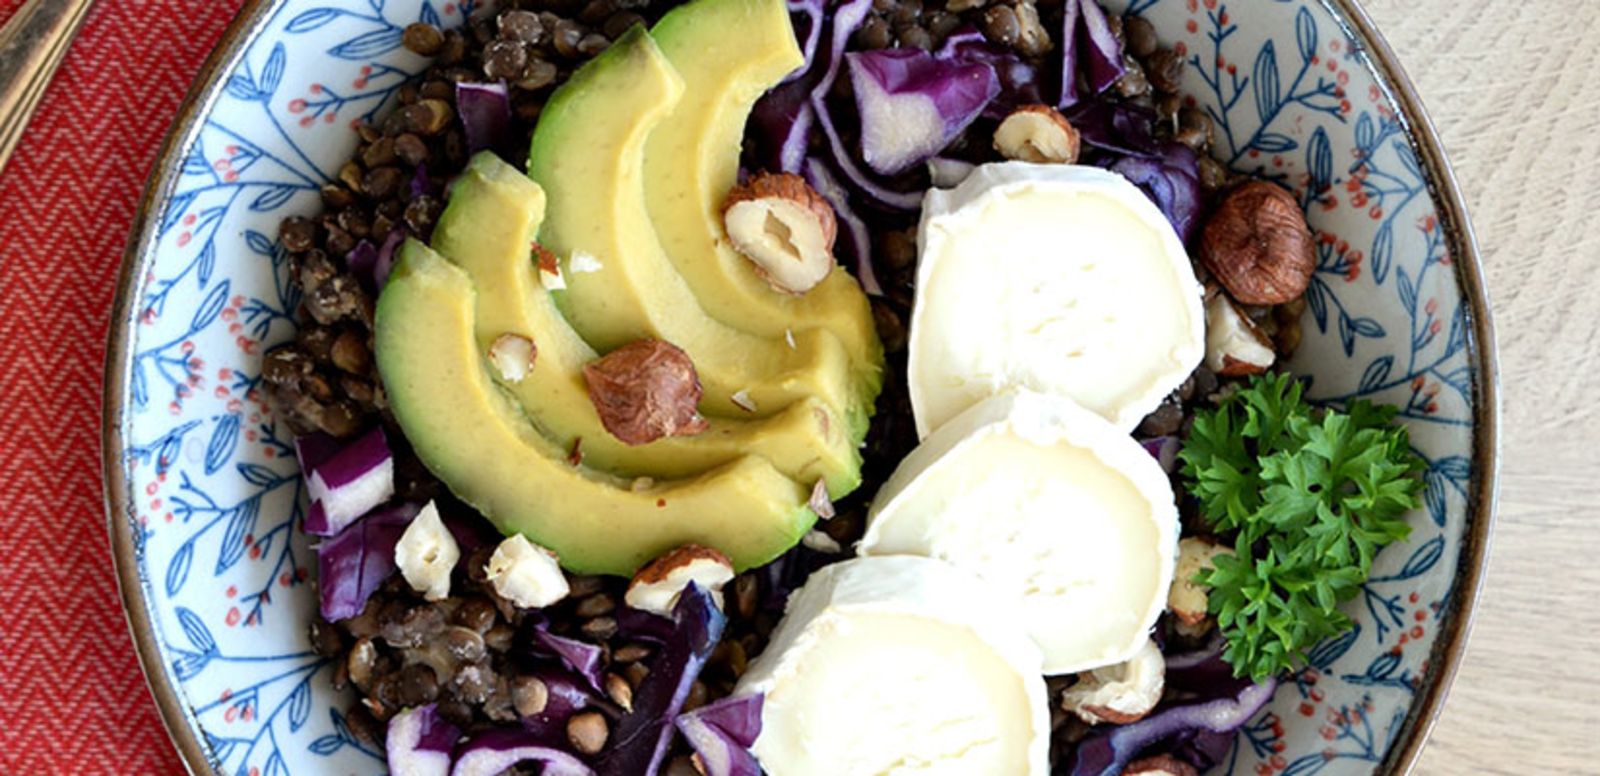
(894, 666)
(1059, 278)
(1052, 505)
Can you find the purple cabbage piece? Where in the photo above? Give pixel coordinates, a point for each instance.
(349, 483)
(859, 179)
(485, 115)
(1164, 449)
(1019, 81)
(642, 737)
(1171, 181)
(423, 184)
(808, 17)
(912, 105)
(784, 116)
(361, 259)
(1203, 671)
(641, 625)
(581, 657)
(1084, 29)
(565, 695)
(1115, 127)
(1106, 752)
(722, 734)
(858, 240)
(358, 560)
(419, 742)
(387, 255)
(493, 752)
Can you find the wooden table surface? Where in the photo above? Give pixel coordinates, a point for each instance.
(1514, 87)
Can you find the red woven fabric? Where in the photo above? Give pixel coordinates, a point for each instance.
(72, 699)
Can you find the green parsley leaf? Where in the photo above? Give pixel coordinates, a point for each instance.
(1308, 497)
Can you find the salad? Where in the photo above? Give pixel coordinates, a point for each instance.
(732, 387)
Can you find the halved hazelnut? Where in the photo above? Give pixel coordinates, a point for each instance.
(512, 356)
(1258, 246)
(785, 228)
(1038, 134)
(1234, 346)
(1187, 599)
(1119, 693)
(656, 587)
(644, 391)
(1160, 765)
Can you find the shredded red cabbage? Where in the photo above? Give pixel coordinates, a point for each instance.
(642, 737)
(722, 734)
(1019, 81)
(858, 240)
(493, 752)
(346, 484)
(485, 115)
(420, 742)
(358, 560)
(911, 105)
(1106, 752)
(1084, 26)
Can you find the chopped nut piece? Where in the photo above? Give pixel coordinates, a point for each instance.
(426, 554)
(1234, 346)
(1037, 133)
(1258, 246)
(512, 356)
(575, 457)
(1119, 693)
(644, 391)
(741, 399)
(819, 503)
(526, 574)
(549, 269)
(1160, 765)
(785, 228)
(656, 587)
(1186, 599)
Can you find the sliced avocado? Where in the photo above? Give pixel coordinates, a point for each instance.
(729, 53)
(588, 154)
(487, 229)
(473, 438)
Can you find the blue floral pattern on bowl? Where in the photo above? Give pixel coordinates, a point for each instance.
(214, 491)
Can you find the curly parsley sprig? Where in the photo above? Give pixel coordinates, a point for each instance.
(1309, 496)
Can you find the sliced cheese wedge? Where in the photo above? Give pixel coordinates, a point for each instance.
(892, 666)
(1059, 278)
(1052, 505)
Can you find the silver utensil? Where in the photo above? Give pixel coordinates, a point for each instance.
(32, 45)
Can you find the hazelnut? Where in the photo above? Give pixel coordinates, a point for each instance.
(1038, 134)
(656, 587)
(644, 391)
(1258, 246)
(1187, 599)
(1234, 346)
(819, 503)
(512, 356)
(526, 574)
(1119, 693)
(785, 228)
(1160, 765)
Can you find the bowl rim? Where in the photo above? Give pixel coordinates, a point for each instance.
(1445, 191)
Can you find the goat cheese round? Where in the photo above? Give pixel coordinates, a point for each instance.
(1053, 506)
(1059, 278)
(899, 665)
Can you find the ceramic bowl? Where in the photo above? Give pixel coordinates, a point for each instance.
(201, 483)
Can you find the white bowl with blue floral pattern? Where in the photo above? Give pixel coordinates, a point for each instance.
(202, 487)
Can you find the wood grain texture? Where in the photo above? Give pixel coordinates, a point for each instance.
(1514, 88)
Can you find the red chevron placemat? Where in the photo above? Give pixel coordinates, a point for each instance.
(72, 699)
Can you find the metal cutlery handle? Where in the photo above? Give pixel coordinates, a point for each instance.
(32, 45)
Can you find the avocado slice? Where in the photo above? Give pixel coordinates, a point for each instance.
(729, 53)
(588, 155)
(473, 438)
(486, 230)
